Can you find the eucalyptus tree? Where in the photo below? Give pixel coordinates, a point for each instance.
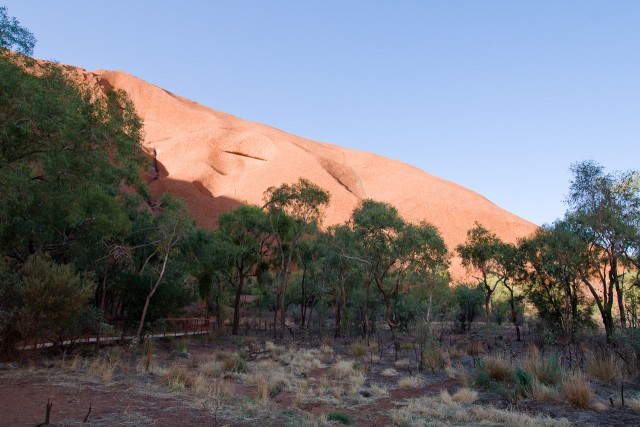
(15, 36)
(243, 240)
(552, 259)
(64, 158)
(172, 225)
(338, 248)
(387, 250)
(479, 255)
(428, 258)
(509, 271)
(308, 256)
(605, 211)
(293, 210)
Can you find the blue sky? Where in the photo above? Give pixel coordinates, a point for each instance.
(498, 96)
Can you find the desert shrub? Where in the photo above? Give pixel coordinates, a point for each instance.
(577, 390)
(54, 300)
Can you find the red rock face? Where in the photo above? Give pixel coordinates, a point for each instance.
(214, 161)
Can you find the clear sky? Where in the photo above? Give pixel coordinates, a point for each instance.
(498, 96)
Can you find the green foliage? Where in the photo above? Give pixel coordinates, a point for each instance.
(339, 417)
(556, 256)
(54, 300)
(63, 160)
(524, 381)
(15, 36)
(469, 302)
(605, 214)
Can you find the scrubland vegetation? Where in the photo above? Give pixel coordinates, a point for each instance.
(355, 323)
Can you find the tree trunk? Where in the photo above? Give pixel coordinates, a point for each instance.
(366, 309)
(613, 278)
(149, 296)
(102, 303)
(514, 314)
(283, 296)
(487, 302)
(303, 303)
(236, 304)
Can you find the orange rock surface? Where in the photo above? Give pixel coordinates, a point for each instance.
(215, 161)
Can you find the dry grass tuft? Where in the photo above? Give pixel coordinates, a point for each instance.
(434, 359)
(411, 382)
(465, 395)
(276, 350)
(389, 372)
(606, 368)
(327, 352)
(445, 397)
(543, 393)
(499, 369)
(545, 369)
(577, 390)
(342, 369)
(378, 391)
(359, 348)
(475, 349)
(177, 378)
(404, 364)
(442, 411)
(455, 353)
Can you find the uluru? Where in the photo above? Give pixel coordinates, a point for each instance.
(215, 161)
